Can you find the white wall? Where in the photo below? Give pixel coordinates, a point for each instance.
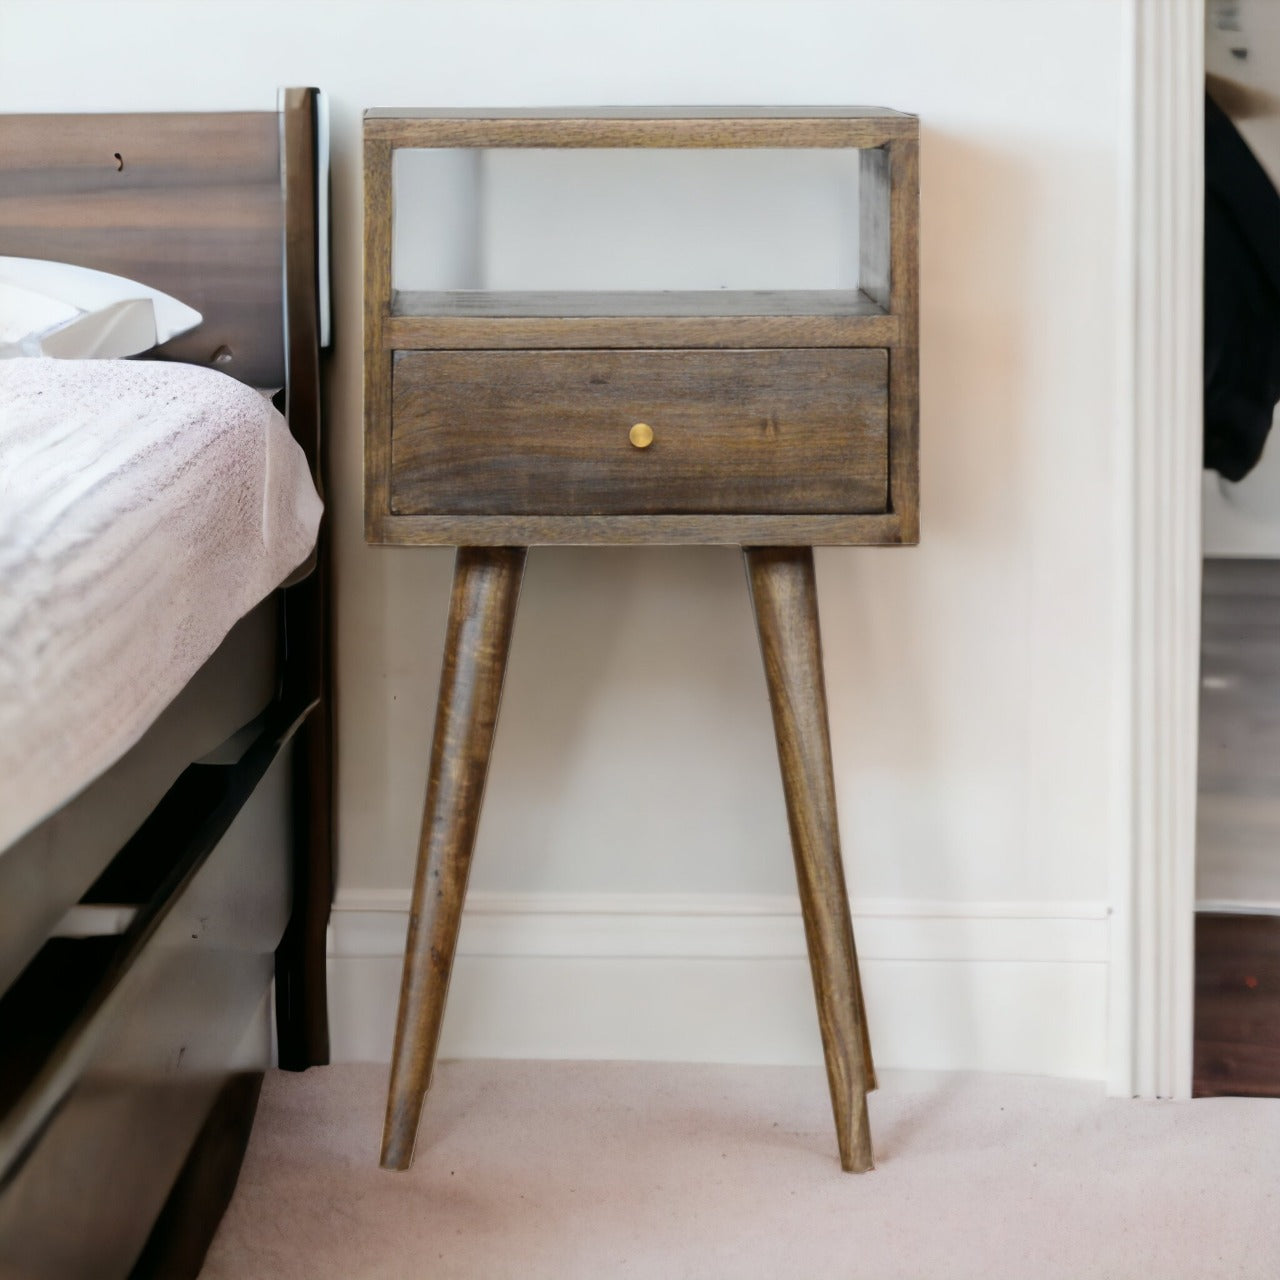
(973, 681)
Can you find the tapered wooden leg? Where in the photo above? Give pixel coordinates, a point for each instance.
(786, 607)
(486, 584)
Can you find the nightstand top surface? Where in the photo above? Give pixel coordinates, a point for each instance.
(636, 113)
(790, 126)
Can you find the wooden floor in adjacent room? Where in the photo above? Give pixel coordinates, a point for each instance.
(1237, 1035)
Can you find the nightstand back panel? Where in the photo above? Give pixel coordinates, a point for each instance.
(767, 432)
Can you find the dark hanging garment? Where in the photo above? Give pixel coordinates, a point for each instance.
(1241, 300)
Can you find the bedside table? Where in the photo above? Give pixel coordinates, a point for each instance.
(775, 420)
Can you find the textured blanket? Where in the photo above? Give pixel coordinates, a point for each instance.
(144, 508)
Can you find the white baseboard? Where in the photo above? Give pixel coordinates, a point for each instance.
(1016, 987)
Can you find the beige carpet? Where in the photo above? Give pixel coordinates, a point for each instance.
(603, 1170)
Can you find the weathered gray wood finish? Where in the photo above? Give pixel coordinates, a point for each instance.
(642, 127)
(880, 315)
(617, 531)
(785, 600)
(779, 420)
(651, 318)
(546, 432)
(486, 585)
(635, 304)
(377, 360)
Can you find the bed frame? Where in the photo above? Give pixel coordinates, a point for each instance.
(131, 1055)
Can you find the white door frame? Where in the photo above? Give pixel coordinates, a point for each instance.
(1154, 891)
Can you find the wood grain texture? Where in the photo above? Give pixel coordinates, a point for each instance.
(643, 127)
(888, 195)
(638, 332)
(556, 304)
(874, 226)
(1237, 1016)
(377, 360)
(511, 415)
(784, 597)
(189, 203)
(619, 531)
(649, 319)
(882, 315)
(658, 113)
(546, 432)
(486, 586)
(904, 362)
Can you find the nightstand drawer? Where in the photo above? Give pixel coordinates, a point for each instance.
(551, 432)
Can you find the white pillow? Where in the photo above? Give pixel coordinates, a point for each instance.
(24, 312)
(60, 309)
(32, 324)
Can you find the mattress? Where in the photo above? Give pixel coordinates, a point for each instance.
(144, 508)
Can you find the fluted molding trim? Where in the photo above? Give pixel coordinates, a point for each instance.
(1167, 207)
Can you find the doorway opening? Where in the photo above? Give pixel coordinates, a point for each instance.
(1237, 936)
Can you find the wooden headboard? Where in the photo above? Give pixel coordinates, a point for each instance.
(219, 209)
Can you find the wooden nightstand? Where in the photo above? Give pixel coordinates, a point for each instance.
(774, 420)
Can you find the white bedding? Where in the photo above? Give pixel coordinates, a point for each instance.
(144, 508)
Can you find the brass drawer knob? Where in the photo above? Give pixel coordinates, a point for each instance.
(641, 435)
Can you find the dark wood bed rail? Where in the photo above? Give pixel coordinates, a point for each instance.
(302, 1019)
